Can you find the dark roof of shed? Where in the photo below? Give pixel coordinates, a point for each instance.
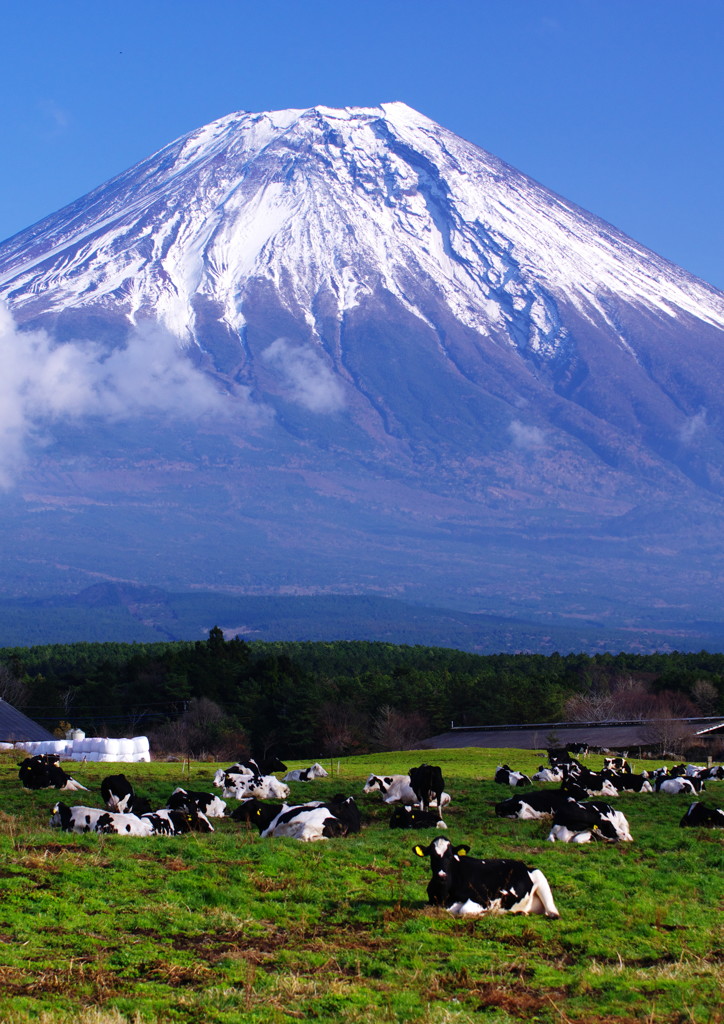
(16, 727)
(609, 735)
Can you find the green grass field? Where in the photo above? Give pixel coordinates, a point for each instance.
(229, 927)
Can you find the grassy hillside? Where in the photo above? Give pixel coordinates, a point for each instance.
(230, 927)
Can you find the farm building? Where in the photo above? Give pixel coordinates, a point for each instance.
(15, 727)
(645, 735)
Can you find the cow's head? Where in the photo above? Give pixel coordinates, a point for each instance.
(442, 855)
(60, 817)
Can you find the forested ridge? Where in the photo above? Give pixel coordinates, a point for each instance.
(337, 696)
(334, 697)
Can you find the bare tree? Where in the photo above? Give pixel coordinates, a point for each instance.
(12, 690)
(343, 728)
(706, 697)
(204, 729)
(671, 735)
(398, 730)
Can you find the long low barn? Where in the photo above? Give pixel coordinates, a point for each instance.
(612, 736)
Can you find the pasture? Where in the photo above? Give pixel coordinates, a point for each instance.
(229, 927)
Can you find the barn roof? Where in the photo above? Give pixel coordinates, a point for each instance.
(16, 727)
(612, 735)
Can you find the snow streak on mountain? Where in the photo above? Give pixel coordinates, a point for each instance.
(431, 373)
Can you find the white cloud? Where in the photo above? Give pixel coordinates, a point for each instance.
(307, 378)
(526, 437)
(42, 383)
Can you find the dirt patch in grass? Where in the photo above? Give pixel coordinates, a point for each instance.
(79, 979)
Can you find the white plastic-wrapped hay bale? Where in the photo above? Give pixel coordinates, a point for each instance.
(142, 748)
(112, 747)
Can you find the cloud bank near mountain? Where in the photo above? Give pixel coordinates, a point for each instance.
(45, 383)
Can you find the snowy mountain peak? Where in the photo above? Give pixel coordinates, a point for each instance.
(390, 361)
(339, 203)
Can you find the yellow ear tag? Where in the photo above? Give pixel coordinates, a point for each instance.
(462, 853)
(418, 851)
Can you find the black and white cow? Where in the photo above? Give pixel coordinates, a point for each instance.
(559, 756)
(75, 819)
(120, 823)
(468, 886)
(307, 822)
(413, 817)
(397, 789)
(505, 775)
(265, 787)
(578, 748)
(427, 784)
(316, 820)
(250, 766)
(616, 764)
(548, 774)
(43, 771)
(678, 784)
(118, 795)
(700, 816)
(594, 783)
(630, 782)
(167, 822)
(242, 769)
(532, 806)
(98, 819)
(580, 823)
(695, 771)
(255, 812)
(315, 771)
(208, 803)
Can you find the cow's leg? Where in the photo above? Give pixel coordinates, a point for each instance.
(542, 895)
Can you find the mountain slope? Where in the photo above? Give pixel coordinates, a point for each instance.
(405, 368)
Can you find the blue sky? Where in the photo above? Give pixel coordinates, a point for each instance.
(615, 104)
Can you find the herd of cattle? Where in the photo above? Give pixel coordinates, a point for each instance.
(464, 885)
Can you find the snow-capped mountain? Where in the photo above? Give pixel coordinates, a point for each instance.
(396, 363)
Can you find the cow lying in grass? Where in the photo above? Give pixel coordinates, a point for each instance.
(548, 774)
(505, 776)
(208, 803)
(580, 823)
(413, 817)
(467, 886)
(678, 784)
(42, 771)
(96, 819)
(118, 795)
(308, 822)
(263, 787)
(315, 771)
(701, 816)
(530, 806)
